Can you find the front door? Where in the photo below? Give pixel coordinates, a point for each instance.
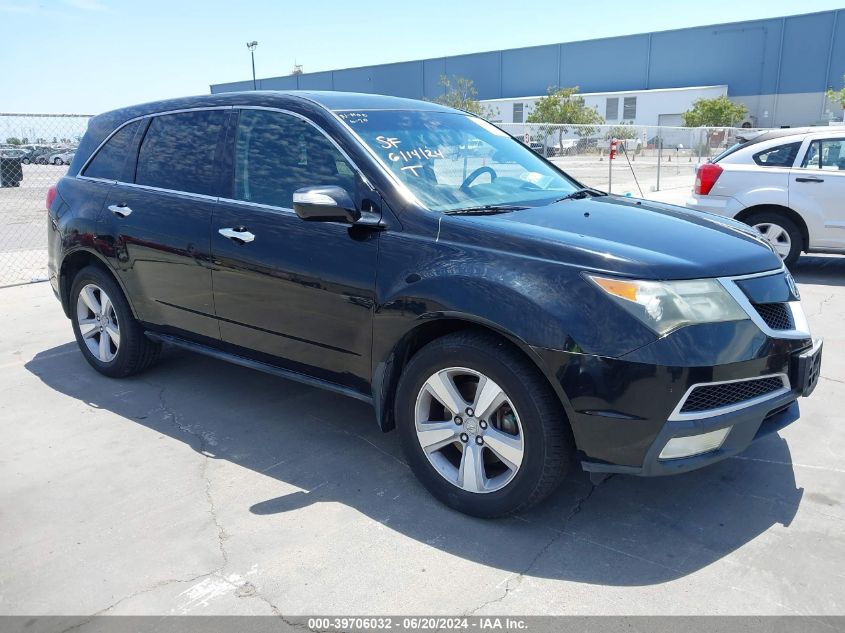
(161, 222)
(294, 293)
(817, 192)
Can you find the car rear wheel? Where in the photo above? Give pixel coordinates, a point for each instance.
(110, 338)
(781, 232)
(57, 161)
(480, 426)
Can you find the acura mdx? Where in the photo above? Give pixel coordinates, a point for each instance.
(508, 321)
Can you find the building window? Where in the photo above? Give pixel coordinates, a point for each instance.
(518, 109)
(611, 110)
(629, 108)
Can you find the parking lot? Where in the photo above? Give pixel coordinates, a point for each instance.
(205, 488)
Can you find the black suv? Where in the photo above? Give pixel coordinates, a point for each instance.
(507, 320)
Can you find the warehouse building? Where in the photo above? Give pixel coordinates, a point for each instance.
(779, 68)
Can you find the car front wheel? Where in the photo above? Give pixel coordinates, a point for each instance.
(480, 426)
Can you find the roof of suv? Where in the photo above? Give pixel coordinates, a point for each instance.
(279, 98)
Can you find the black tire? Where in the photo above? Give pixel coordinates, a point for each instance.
(136, 352)
(784, 222)
(25, 161)
(548, 444)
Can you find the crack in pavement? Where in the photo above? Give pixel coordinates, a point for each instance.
(560, 532)
(205, 442)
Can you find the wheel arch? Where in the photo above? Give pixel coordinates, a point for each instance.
(75, 261)
(428, 328)
(780, 209)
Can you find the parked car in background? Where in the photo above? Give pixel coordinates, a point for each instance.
(61, 158)
(506, 320)
(12, 153)
(34, 153)
(789, 184)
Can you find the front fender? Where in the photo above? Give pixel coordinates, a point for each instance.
(534, 305)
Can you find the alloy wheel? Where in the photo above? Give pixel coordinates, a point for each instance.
(469, 430)
(777, 236)
(98, 324)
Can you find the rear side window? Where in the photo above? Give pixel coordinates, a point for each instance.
(780, 156)
(277, 153)
(178, 152)
(110, 161)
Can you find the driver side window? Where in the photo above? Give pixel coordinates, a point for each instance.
(278, 153)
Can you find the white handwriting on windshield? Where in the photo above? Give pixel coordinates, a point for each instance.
(406, 156)
(353, 117)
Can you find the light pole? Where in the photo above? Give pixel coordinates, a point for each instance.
(251, 46)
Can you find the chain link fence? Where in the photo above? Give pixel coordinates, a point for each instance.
(35, 151)
(649, 158)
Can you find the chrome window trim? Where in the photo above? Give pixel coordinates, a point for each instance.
(800, 327)
(258, 205)
(677, 416)
(188, 194)
(94, 179)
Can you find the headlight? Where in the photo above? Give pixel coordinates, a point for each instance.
(667, 305)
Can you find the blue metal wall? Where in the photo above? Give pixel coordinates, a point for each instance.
(802, 53)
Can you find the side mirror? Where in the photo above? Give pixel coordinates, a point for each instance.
(327, 203)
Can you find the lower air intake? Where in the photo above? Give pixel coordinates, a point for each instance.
(706, 397)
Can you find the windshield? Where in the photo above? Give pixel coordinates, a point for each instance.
(453, 161)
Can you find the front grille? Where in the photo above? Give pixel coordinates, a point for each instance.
(708, 397)
(776, 315)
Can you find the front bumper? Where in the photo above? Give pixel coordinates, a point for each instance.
(746, 425)
(624, 411)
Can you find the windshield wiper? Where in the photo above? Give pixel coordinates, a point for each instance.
(487, 209)
(582, 193)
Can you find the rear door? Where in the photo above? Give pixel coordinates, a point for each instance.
(161, 217)
(298, 294)
(817, 191)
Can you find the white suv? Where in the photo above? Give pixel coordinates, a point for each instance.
(789, 184)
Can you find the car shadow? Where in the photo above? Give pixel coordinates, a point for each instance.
(627, 531)
(820, 270)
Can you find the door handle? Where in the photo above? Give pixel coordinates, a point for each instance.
(120, 210)
(810, 179)
(237, 234)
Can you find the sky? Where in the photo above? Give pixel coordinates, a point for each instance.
(89, 56)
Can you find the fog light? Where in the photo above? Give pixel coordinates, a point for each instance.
(691, 445)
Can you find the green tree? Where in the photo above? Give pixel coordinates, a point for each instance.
(621, 132)
(13, 140)
(561, 108)
(716, 112)
(837, 96)
(460, 93)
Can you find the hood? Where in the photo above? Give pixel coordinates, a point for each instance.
(622, 236)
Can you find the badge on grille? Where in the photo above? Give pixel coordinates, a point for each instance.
(792, 285)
